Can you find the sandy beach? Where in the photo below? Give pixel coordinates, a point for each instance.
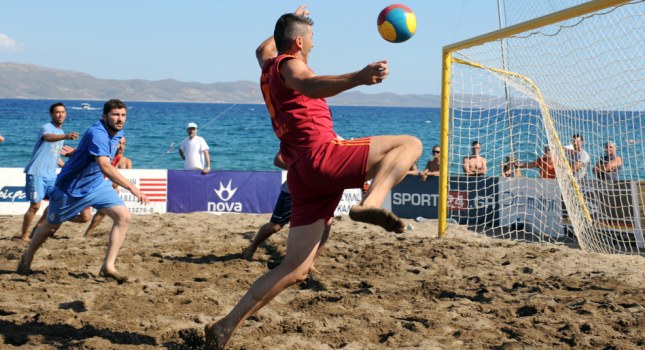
(374, 290)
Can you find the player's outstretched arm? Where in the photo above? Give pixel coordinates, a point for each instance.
(115, 176)
(297, 76)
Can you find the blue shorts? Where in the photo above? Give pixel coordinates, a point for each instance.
(63, 207)
(282, 210)
(38, 187)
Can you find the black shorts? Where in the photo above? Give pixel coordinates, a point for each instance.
(282, 210)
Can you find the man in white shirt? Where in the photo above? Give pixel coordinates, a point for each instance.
(578, 158)
(194, 151)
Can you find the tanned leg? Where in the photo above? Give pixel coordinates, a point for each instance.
(390, 157)
(39, 237)
(302, 244)
(263, 234)
(121, 217)
(96, 221)
(27, 219)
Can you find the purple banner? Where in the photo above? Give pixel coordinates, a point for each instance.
(223, 191)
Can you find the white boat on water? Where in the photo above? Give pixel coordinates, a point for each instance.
(85, 105)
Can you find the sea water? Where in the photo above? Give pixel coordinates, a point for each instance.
(240, 136)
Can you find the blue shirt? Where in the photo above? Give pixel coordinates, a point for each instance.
(81, 174)
(44, 157)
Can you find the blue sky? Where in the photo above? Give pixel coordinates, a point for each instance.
(214, 41)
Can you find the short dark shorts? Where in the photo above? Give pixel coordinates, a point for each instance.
(317, 180)
(282, 210)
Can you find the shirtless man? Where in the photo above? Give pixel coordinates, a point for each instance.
(319, 165)
(475, 165)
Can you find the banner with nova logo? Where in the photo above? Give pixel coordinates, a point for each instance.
(223, 191)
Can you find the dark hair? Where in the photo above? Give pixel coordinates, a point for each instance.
(475, 143)
(575, 136)
(288, 28)
(113, 104)
(57, 104)
(547, 148)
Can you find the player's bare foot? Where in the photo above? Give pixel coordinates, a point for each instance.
(216, 336)
(377, 216)
(119, 278)
(248, 252)
(20, 239)
(24, 267)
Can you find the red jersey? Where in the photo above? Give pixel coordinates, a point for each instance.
(116, 160)
(301, 123)
(547, 168)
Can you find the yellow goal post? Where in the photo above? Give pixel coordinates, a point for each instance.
(552, 105)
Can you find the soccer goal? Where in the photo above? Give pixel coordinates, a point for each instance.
(544, 123)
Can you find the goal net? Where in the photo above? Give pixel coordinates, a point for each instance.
(547, 127)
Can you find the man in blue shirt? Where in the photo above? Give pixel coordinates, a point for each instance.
(40, 172)
(81, 184)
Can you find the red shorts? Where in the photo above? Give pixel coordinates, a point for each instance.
(318, 179)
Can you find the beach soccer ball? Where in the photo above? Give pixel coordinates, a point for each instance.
(396, 23)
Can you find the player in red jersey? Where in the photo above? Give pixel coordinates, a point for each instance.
(319, 165)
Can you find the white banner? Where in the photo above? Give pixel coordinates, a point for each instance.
(531, 202)
(154, 183)
(350, 198)
(13, 198)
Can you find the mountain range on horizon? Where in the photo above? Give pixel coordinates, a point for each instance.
(28, 81)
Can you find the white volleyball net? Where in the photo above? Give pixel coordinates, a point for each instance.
(558, 113)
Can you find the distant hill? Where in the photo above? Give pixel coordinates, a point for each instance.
(35, 82)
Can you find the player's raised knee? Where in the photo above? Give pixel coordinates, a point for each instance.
(415, 145)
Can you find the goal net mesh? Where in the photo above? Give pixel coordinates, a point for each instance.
(547, 130)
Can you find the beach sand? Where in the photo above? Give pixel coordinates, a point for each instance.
(374, 290)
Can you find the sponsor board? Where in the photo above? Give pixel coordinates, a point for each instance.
(13, 198)
(527, 202)
(153, 183)
(350, 198)
(615, 210)
(473, 200)
(470, 200)
(223, 191)
(413, 198)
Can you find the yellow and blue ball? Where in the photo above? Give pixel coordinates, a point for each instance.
(396, 23)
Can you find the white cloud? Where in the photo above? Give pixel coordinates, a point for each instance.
(9, 45)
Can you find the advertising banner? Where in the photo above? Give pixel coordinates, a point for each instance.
(223, 191)
(153, 183)
(413, 198)
(527, 202)
(350, 198)
(13, 199)
(615, 209)
(472, 200)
